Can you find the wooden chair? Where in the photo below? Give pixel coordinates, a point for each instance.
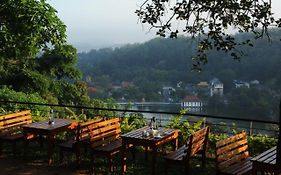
(232, 156)
(11, 127)
(195, 144)
(105, 140)
(82, 137)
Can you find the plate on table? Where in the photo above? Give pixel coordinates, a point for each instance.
(158, 137)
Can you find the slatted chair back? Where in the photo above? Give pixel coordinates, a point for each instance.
(83, 131)
(231, 151)
(105, 132)
(197, 142)
(12, 123)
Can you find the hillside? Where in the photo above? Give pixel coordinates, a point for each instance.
(168, 61)
(150, 66)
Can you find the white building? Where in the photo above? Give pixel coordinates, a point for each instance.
(192, 103)
(241, 84)
(216, 87)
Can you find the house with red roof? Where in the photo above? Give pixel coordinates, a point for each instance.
(192, 103)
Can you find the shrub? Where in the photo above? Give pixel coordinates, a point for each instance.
(184, 126)
(38, 111)
(260, 143)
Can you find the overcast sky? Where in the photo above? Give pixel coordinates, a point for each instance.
(105, 23)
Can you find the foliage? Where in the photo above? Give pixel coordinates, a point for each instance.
(60, 62)
(260, 143)
(27, 27)
(38, 112)
(185, 127)
(132, 121)
(137, 119)
(126, 126)
(34, 56)
(210, 20)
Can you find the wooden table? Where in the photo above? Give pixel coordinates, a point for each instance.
(266, 162)
(137, 139)
(49, 130)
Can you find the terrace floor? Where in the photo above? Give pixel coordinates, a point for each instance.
(35, 164)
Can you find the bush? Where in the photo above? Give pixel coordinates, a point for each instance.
(38, 111)
(260, 143)
(132, 121)
(184, 126)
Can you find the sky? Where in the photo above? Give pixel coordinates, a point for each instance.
(101, 23)
(93, 24)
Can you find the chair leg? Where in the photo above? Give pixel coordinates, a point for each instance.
(166, 167)
(110, 164)
(186, 168)
(93, 164)
(26, 143)
(204, 159)
(41, 141)
(133, 151)
(146, 153)
(14, 148)
(1, 147)
(61, 155)
(78, 158)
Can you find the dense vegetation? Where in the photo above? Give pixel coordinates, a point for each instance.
(36, 63)
(166, 62)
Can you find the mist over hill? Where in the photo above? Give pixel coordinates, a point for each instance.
(158, 63)
(168, 61)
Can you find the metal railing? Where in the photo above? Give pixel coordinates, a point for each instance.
(218, 123)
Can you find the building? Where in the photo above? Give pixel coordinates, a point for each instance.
(192, 103)
(241, 84)
(216, 87)
(167, 91)
(203, 89)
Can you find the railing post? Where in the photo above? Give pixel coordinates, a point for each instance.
(251, 128)
(204, 123)
(160, 119)
(278, 160)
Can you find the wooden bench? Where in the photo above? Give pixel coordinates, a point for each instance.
(266, 162)
(195, 144)
(11, 127)
(82, 137)
(106, 140)
(232, 156)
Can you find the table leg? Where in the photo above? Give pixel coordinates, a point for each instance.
(124, 158)
(51, 145)
(176, 144)
(26, 142)
(146, 153)
(154, 153)
(1, 147)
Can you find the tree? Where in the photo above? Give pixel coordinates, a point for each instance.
(26, 27)
(210, 21)
(60, 62)
(34, 56)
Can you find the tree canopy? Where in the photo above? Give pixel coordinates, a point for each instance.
(26, 27)
(211, 20)
(34, 56)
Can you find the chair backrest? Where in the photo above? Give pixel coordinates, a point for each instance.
(82, 130)
(197, 142)
(12, 123)
(102, 133)
(231, 150)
